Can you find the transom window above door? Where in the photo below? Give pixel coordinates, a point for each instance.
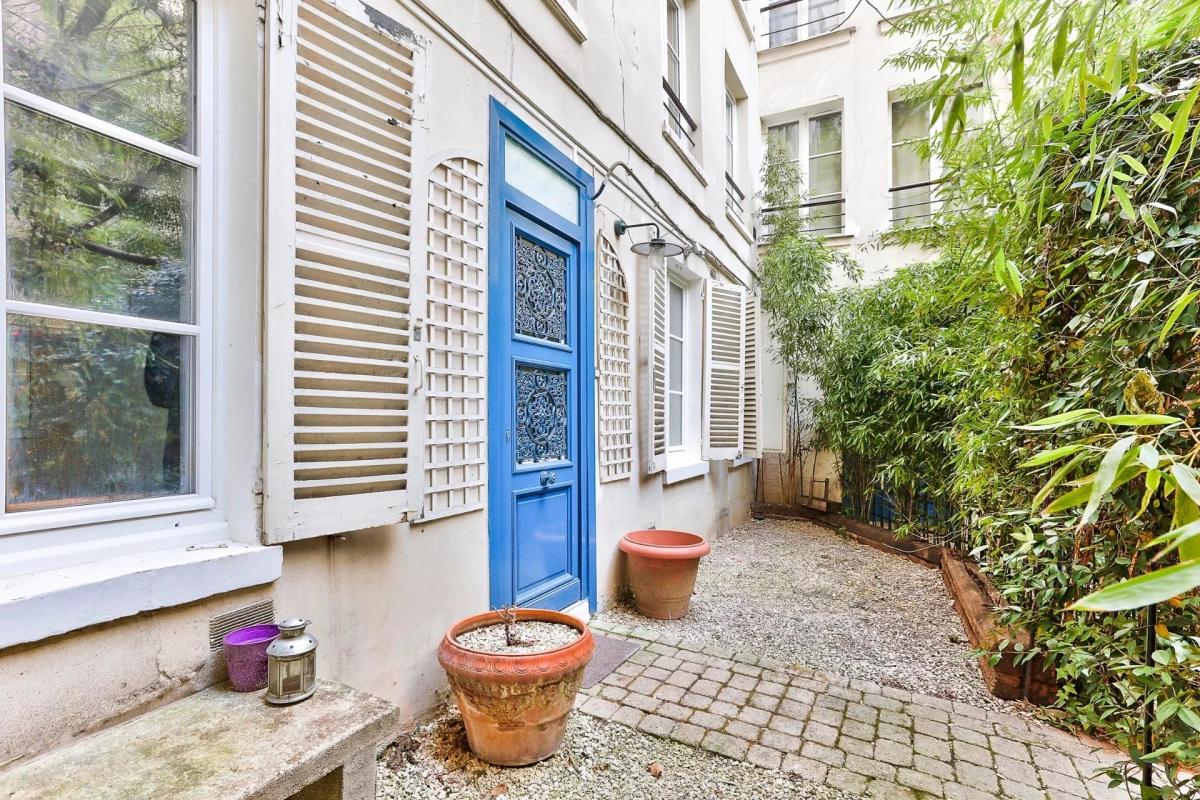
(104, 307)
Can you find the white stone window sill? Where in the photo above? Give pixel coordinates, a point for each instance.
(838, 239)
(569, 17)
(687, 157)
(743, 461)
(44, 604)
(738, 224)
(810, 45)
(684, 472)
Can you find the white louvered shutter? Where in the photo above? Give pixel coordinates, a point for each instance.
(654, 348)
(339, 201)
(456, 372)
(724, 375)
(616, 380)
(751, 430)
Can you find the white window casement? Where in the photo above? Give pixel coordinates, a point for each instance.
(109, 270)
(735, 198)
(788, 21)
(911, 189)
(679, 123)
(815, 142)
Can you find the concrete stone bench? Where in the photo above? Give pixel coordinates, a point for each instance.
(221, 744)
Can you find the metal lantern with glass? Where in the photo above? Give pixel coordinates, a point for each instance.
(291, 663)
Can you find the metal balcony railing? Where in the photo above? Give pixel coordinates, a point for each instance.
(914, 203)
(826, 217)
(734, 197)
(678, 120)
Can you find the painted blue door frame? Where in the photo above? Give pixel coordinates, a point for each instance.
(541, 367)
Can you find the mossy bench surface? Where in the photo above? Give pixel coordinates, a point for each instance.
(213, 744)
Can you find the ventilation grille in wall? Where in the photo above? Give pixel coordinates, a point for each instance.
(616, 380)
(455, 306)
(354, 113)
(258, 614)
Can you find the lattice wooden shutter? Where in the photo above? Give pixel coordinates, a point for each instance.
(616, 382)
(654, 346)
(724, 376)
(339, 157)
(456, 374)
(751, 432)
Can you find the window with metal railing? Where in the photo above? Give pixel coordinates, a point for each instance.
(679, 122)
(788, 21)
(735, 199)
(912, 191)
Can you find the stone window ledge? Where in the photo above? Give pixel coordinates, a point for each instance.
(44, 604)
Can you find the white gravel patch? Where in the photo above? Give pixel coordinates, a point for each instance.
(528, 637)
(802, 593)
(597, 761)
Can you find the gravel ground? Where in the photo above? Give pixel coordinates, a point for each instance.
(529, 637)
(803, 594)
(597, 761)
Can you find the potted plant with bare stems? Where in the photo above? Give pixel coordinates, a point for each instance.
(515, 673)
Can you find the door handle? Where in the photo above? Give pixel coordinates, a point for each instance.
(548, 478)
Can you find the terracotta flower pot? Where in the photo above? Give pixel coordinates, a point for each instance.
(662, 570)
(515, 707)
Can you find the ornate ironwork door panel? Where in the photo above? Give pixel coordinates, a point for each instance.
(540, 359)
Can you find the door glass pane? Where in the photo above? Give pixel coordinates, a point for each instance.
(95, 414)
(128, 62)
(541, 414)
(540, 292)
(529, 174)
(94, 223)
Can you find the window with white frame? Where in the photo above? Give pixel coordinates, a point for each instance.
(788, 21)
(734, 197)
(106, 287)
(679, 122)
(912, 188)
(815, 143)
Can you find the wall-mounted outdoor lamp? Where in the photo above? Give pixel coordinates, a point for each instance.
(656, 248)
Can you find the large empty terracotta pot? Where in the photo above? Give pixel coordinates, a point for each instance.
(515, 707)
(662, 570)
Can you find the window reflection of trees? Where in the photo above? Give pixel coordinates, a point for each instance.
(98, 412)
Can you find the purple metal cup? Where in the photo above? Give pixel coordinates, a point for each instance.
(246, 656)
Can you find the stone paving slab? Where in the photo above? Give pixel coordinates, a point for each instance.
(854, 735)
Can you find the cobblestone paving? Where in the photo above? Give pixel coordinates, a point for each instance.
(850, 734)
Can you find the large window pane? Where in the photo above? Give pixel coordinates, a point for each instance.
(824, 175)
(93, 223)
(783, 24)
(825, 134)
(911, 193)
(95, 414)
(676, 310)
(676, 365)
(823, 15)
(128, 62)
(675, 421)
(789, 134)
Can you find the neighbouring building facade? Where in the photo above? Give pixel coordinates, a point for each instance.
(320, 308)
(826, 91)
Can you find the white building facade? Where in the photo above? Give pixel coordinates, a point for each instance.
(826, 91)
(329, 315)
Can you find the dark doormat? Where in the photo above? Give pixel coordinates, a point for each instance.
(610, 653)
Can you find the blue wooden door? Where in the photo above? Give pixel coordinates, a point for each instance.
(540, 363)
